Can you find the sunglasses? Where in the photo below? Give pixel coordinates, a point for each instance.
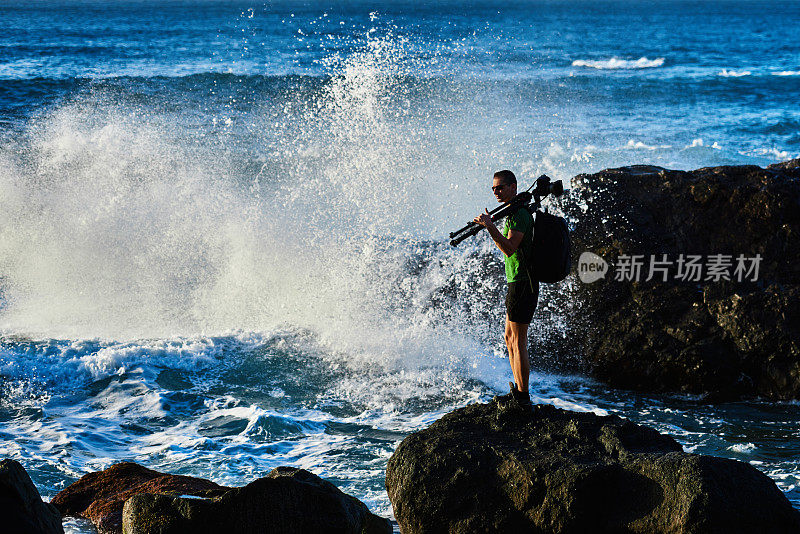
(497, 188)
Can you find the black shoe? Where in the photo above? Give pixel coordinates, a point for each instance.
(508, 397)
(514, 398)
(523, 400)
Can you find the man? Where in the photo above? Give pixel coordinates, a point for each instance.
(523, 293)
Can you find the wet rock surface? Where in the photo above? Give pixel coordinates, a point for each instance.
(485, 468)
(99, 496)
(287, 501)
(724, 339)
(21, 507)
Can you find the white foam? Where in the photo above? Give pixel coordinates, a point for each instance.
(618, 63)
(742, 448)
(639, 145)
(77, 525)
(565, 404)
(786, 73)
(734, 73)
(775, 154)
(698, 142)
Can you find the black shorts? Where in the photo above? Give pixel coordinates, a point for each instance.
(521, 301)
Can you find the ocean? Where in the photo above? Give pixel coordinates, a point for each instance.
(223, 224)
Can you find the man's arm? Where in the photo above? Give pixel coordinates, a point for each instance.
(508, 245)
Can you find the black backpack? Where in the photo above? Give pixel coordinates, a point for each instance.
(549, 250)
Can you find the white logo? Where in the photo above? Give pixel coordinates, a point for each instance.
(591, 267)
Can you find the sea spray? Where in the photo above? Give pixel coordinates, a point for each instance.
(127, 226)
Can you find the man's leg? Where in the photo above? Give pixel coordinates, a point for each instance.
(517, 343)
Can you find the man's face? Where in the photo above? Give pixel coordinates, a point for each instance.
(503, 192)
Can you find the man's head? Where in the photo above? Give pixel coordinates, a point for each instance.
(504, 186)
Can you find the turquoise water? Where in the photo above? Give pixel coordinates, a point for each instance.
(223, 224)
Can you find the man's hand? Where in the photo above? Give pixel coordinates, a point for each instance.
(484, 219)
(508, 245)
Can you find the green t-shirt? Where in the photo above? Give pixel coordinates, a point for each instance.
(521, 221)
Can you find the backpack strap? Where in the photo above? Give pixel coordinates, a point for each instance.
(528, 264)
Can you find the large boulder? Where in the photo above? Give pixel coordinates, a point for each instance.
(724, 339)
(21, 507)
(99, 496)
(487, 468)
(287, 501)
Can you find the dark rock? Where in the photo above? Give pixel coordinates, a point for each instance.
(724, 339)
(485, 468)
(21, 507)
(99, 496)
(288, 500)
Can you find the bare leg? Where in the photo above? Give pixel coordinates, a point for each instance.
(517, 343)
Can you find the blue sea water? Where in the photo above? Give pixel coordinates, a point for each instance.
(222, 224)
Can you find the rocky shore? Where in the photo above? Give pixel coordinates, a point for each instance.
(131, 499)
(489, 468)
(713, 331)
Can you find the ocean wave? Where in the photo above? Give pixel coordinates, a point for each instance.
(783, 126)
(64, 364)
(204, 78)
(787, 73)
(638, 145)
(26, 70)
(734, 73)
(617, 63)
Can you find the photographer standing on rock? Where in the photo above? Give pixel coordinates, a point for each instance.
(523, 293)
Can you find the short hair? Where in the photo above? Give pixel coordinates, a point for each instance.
(507, 176)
